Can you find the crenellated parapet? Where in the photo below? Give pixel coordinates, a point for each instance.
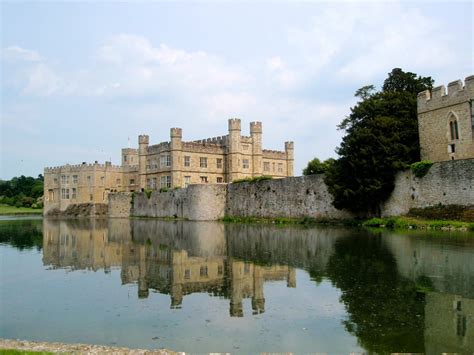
(81, 167)
(273, 154)
(158, 148)
(204, 147)
(439, 97)
(221, 140)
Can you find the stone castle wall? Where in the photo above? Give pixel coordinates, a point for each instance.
(447, 183)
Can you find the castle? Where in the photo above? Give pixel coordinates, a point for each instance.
(168, 165)
(446, 121)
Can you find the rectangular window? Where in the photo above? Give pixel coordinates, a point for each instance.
(125, 158)
(117, 182)
(203, 179)
(165, 160)
(187, 274)
(452, 148)
(187, 181)
(132, 181)
(102, 180)
(55, 180)
(273, 164)
(220, 180)
(266, 166)
(65, 194)
(187, 160)
(203, 270)
(64, 179)
(74, 193)
(154, 183)
(203, 162)
(74, 179)
(245, 163)
(89, 180)
(219, 163)
(165, 181)
(280, 167)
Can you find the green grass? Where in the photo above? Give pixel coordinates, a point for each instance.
(306, 221)
(415, 223)
(9, 210)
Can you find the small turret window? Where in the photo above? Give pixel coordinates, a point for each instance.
(453, 128)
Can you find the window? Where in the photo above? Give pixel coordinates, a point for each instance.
(125, 158)
(102, 179)
(187, 181)
(203, 179)
(165, 181)
(132, 181)
(65, 194)
(187, 160)
(203, 270)
(165, 160)
(220, 180)
(74, 193)
(203, 162)
(89, 180)
(245, 163)
(187, 274)
(273, 164)
(55, 180)
(117, 182)
(280, 167)
(51, 195)
(154, 183)
(91, 196)
(219, 163)
(74, 179)
(245, 147)
(452, 148)
(64, 179)
(454, 131)
(104, 194)
(266, 166)
(148, 183)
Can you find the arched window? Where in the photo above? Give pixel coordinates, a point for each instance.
(453, 128)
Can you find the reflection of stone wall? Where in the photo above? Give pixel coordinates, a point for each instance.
(449, 324)
(450, 267)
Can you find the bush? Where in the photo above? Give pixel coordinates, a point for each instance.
(421, 168)
(164, 189)
(253, 180)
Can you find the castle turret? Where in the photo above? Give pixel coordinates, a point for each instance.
(176, 135)
(129, 157)
(143, 141)
(289, 150)
(234, 150)
(256, 134)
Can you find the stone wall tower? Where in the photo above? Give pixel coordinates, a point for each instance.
(290, 159)
(234, 150)
(143, 141)
(176, 147)
(256, 134)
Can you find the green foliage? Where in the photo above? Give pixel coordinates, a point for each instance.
(413, 223)
(22, 234)
(316, 166)
(253, 179)
(164, 189)
(22, 191)
(381, 138)
(421, 168)
(148, 193)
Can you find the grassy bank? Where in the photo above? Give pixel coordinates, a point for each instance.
(392, 222)
(12, 210)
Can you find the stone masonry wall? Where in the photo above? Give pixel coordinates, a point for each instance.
(120, 205)
(447, 183)
(305, 196)
(196, 202)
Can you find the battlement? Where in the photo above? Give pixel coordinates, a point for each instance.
(221, 140)
(234, 124)
(438, 97)
(289, 145)
(129, 151)
(176, 132)
(273, 154)
(143, 139)
(157, 148)
(203, 147)
(81, 167)
(255, 127)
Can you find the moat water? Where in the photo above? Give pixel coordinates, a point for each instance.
(207, 287)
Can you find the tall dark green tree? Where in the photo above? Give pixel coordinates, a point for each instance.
(381, 138)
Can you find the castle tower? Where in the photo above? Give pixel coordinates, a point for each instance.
(258, 299)
(234, 150)
(129, 157)
(289, 150)
(176, 135)
(143, 141)
(256, 134)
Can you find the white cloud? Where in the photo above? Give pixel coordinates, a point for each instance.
(16, 53)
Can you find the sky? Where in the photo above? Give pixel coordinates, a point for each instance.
(80, 79)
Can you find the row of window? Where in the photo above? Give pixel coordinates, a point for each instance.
(65, 180)
(266, 166)
(203, 271)
(65, 194)
(165, 181)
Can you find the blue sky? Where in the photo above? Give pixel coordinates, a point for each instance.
(79, 79)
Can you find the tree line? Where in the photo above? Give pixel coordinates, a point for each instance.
(23, 191)
(381, 138)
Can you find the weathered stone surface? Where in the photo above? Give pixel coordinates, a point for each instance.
(80, 210)
(447, 183)
(305, 196)
(120, 205)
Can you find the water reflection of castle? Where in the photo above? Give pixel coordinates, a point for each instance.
(234, 261)
(172, 262)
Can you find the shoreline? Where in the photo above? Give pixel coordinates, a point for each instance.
(75, 348)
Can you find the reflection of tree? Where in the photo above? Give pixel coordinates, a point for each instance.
(22, 234)
(385, 311)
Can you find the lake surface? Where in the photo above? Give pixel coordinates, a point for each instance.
(204, 286)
